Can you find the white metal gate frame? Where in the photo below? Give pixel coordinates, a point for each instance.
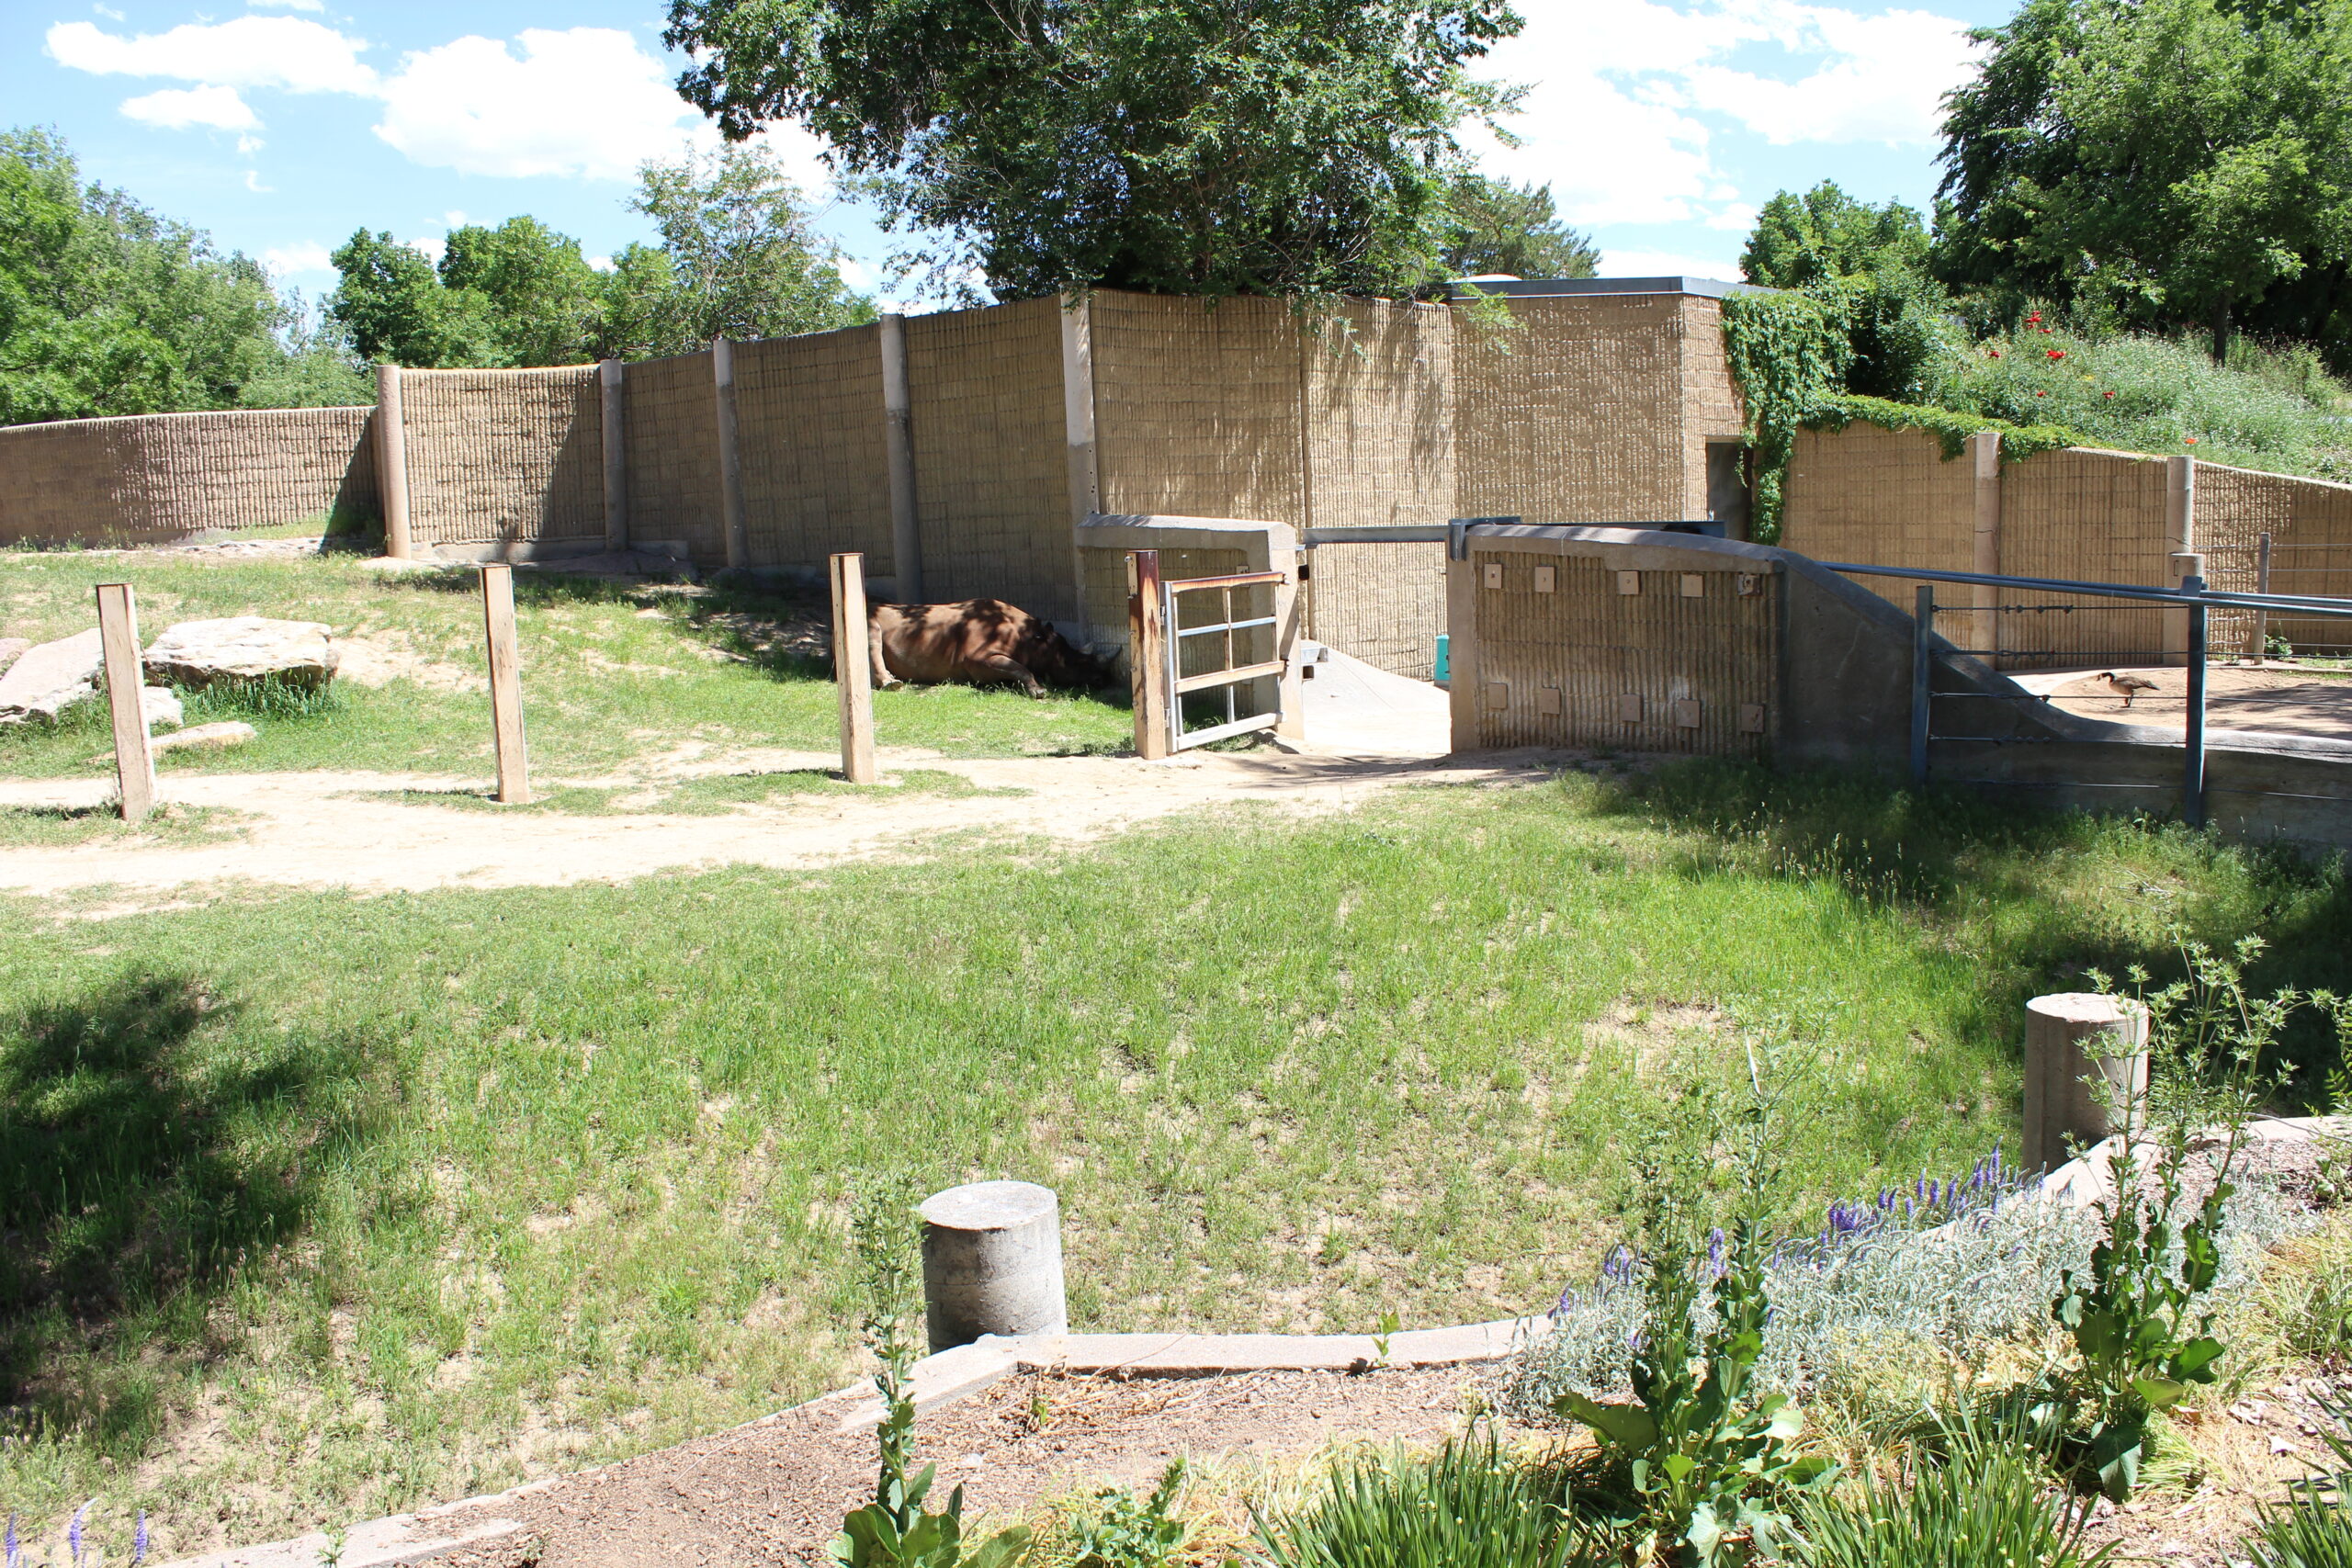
(1227, 676)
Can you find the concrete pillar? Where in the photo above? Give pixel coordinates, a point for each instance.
(616, 434)
(730, 466)
(898, 454)
(2180, 535)
(1078, 434)
(992, 1262)
(2069, 1038)
(1984, 558)
(391, 461)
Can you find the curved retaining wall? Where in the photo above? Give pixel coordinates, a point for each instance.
(149, 478)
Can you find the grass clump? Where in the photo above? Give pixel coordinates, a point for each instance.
(1982, 1503)
(1469, 1505)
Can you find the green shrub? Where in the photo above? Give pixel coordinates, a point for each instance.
(1128, 1531)
(1469, 1507)
(1988, 1504)
(2313, 1528)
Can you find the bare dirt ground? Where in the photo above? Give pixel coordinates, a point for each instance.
(774, 1492)
(2280, 699)
(352, 830)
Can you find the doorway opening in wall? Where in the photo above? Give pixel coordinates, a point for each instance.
(1727, 491)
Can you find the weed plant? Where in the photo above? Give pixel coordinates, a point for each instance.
(1128, 1531)
(2313, 1528)
(1470, 1505)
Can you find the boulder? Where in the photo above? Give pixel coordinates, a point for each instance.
(204, 737)
(243, 648)
(47, 679)
(161, 707)
(11, 648)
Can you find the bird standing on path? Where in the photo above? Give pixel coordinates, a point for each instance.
(2128, 686)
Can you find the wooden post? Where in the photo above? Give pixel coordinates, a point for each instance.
(854, 668)
(898, 462)
(2069, 1038)
(391, 461)
(134, 765)
(1146, 654)
(505, 685)
(608, 376)
(1984, 558)
(731, 465)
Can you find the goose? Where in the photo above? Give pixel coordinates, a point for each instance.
(2129, 686)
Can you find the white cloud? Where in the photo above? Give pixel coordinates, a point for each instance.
(288, 5)
(1739, 217)
(1882, 80)
(293, 261)
(176, 108)
(600, 264)
(455, 218)
(106, 11)
(586, 101)
(253, 182)
(1666, 263)
(430, 246)
(249, 145)
(248, 51)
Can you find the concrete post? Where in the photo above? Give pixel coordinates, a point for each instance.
(730, 466)
(898, 457)
(992, 1262)
(2071, 1037)
(616, 437)
(1078, 434)
(1985, 559)
(391, 461)
(2180, 535)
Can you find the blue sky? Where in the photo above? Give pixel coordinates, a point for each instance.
(283, 125)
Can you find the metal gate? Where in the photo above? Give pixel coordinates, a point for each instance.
(1190, 638)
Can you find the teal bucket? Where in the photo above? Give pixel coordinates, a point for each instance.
(1443, 664)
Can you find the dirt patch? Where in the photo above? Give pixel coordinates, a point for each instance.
(379, 658)
(2279, 700)
(773, 1493)
(380, 832)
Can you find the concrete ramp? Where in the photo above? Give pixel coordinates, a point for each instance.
(1356, 709)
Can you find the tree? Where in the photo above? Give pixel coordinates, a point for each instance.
(397, 310)
(2163, 162)
(108, 308)
(1867, 265)
(1177, 146)
(542, 297)
(1505, 228)
(738, 259)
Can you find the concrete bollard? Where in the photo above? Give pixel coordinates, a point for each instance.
(992, 1262)
(2062, 1032)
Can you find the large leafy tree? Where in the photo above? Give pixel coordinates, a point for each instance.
(1513, 229)
(396, 309)
(1179, 146)
(542, 297)
(108, 308)
(2161, 163)
(1867, 265)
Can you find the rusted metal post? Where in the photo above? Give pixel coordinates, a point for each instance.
(505, 685)
(1148, 654)
(854, 668)
(134, 765)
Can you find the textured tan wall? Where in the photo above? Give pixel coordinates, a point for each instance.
(154, 477)
(1577, 412)
(2310, 523)
(992, 464)
(1197, 407)
(1384, 603)
(671, 429)
(1591, 647)
(502, 455)
(1884, 498)
(809, 427)
(2089, 515)
(1711, 401)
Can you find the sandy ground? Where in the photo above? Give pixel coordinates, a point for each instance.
(2277, 698)
(341, 830)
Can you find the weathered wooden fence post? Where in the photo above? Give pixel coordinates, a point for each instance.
(615, 435)
(1146, 654)
(854, 668)
(391, 461)
(2069, 1038)
(730, 464)
(505, 685)
(134, 764)
(992, 1262)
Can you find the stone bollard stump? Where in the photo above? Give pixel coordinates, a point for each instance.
(2062, 1032)
(992, 1262)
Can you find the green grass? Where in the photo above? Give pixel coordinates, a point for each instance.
(611, 673)
(47, 826)
(321, 1207)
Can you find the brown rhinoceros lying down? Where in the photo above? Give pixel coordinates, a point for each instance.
(978, 640)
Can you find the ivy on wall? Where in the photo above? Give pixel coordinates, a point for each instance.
(1788, 357)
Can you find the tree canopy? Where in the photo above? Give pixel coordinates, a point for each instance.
(1513, 229)
(1867, 266)
(1204, 147)
(108, 308)
(2161, 163)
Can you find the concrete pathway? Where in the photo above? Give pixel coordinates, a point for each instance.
(1354, 709)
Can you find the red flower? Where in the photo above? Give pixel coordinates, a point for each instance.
(2190, 439)
(1994, 352)
(2110, 394)
(2033, 319)
(2055, 353)
(2041, 394)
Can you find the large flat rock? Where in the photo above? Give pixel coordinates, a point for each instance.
(242, 649)
(47, 679)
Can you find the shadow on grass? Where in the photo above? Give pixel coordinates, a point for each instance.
(139, 1167)
(2010, 875)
